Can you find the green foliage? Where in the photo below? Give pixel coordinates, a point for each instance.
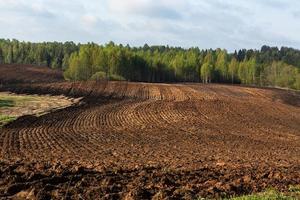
(99, 76)
(282, 75)
(233, 69)
(206, 72)
(268, 67)
(297, 81)
(5, 119)
(115, 77)
(72, 72)
(51, 54)
(221, 66)
(1, 56)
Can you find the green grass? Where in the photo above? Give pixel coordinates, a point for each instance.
(13, 106)
(6, 103)
(9, 101)
(5, 119)
(295, 189)
(271, 194)
(14, 100)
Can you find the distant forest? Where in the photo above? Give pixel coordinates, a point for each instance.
(268, 66)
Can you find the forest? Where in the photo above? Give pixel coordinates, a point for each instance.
(269, 66)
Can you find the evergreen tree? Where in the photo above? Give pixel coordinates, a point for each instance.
(269, 66)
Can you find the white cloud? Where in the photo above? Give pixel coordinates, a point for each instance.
(88, 20)
(216, 23)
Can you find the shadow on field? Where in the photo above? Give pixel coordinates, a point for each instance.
(291, 98)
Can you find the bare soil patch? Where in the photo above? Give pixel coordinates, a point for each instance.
(17, 73)
(143, 141)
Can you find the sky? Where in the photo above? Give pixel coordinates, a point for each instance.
(229, 24)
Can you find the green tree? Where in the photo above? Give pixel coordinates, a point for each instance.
(297, 80)
(65, 63)
(10, 56)
(221, 65)
(1, 56)
(233, 69)
(178, 65)
(268, 66)
(242, 72)
(252, 70)
(206, 72)
(72, 73)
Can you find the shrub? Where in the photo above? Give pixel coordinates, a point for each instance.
(115, 77)
(99, 76)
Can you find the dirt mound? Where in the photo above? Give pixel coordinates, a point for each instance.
(20, 73)
(57, 181)
(207, 140)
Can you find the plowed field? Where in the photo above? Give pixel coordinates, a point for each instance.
(143, 141)
(16, 73)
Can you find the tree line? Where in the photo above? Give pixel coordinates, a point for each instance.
(269, 66)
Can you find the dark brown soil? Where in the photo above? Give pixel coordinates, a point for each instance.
(69, 181)
(16, 73)
(143, 141)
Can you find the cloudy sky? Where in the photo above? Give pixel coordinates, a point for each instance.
(230, 24)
